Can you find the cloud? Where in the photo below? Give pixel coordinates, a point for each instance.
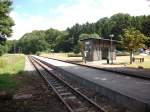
(25, 23)
(65, 15)
(92, 10)
(133, 7)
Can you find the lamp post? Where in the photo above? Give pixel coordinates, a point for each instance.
(111, 48)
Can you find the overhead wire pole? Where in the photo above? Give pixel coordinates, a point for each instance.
(111, 48)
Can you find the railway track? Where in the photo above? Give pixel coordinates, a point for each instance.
(74, 100)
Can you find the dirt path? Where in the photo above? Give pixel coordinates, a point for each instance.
(28, 65)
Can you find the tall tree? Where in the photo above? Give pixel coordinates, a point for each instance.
(119, 22)
(62, 43)
(6, 23)
(132, 40)
(102, 27)
(51, 36)
(146, 29)
(33, 42)
(67, 40)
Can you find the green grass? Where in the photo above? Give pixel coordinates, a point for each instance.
(10, 66)
(145, 64)
(62, 56)
(126, 60)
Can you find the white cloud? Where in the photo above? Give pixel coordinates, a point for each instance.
(92, 10)
(133, 7)
(80, 12)
(25, 23)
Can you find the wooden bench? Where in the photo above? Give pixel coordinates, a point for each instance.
(140, 59)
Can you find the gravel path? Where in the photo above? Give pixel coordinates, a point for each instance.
(28, 65)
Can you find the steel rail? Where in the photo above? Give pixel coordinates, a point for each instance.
(49, 84)
(100, 109)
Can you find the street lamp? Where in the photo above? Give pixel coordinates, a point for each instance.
(111, 48)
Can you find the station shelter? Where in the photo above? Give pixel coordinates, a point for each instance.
(96, 49)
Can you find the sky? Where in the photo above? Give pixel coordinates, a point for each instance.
(32, 15)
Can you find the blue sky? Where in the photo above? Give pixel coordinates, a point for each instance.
(59, 14)
(37, 7)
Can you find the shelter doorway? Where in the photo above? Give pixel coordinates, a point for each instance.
(105, 53)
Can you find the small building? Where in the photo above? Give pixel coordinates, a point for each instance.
(96, 49)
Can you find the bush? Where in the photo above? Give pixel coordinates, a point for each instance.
(76, 50)
(2, 50)
(38, 53)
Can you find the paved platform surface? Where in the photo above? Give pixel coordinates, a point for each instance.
(145, 73)
(136, 88)
(126, 70)
(28, 65)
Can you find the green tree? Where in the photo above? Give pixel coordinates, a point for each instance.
(33, 42)
(103, 27)
(6, 21)
(2, 49)
(84, 36)
(132, 40)
(87, 36)
(146, 29)
(68, 40)
(51, 36)
(6, 24)
(62, 43)
(118, 22)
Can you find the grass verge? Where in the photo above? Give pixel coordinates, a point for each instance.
(11, 65)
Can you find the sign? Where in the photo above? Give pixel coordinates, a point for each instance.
(87, 43)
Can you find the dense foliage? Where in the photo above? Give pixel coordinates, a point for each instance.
(6, 24)
(65, 41)
(132, 40)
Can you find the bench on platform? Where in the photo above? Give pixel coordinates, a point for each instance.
(140, 59)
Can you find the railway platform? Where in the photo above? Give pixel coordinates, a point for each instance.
(136, 72)
(142, 73)
(131, 92)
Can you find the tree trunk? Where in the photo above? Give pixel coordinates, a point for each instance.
(131, 57)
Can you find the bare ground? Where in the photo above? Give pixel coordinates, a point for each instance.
(32, 96)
